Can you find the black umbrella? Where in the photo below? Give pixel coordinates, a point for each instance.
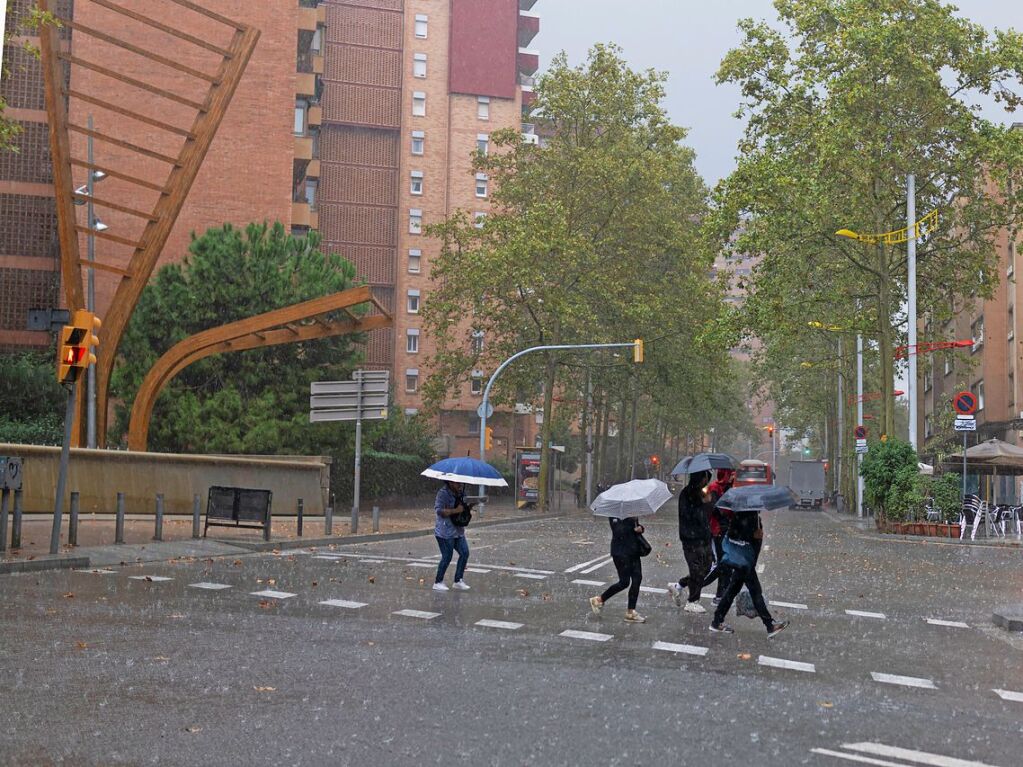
(692, 464)
(756, 498)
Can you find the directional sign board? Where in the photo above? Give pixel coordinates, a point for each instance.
(965, 403)
(366, 397)
(965, 423)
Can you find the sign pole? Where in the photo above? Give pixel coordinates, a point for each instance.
(859, 420)
(65, 455)
(358, 447)
(911, 305)
(589, 439)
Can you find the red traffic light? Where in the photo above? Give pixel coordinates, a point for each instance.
(654, 460)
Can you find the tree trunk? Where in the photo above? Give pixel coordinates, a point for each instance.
(885, 350)
(632, 437)
(585, 434)
(620, 458)
(605, 424)
(549, 373)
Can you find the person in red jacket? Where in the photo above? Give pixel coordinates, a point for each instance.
(719, 519)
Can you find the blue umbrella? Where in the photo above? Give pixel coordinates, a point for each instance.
(692, 464)
(749, 498)
(467, 470)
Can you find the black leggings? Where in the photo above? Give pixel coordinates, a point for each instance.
(630, 576)
(737, 578)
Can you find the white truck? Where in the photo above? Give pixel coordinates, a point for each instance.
(806, 480)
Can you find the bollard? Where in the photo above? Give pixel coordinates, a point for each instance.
(158, 533)
(300, 504)
(354, 527)
(196, 509)
(16, 527)
(72, 528)
(119, 520)
(328, 521)
(376, 519)
(3, 519)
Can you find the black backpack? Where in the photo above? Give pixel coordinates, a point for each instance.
(464, 517)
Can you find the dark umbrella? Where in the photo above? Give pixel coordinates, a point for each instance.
(756, 498)
(692, 464)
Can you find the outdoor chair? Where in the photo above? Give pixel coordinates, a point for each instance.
(933, 512)
(988, 514)
(969, 515)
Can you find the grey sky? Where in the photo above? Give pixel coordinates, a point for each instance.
(688, 38)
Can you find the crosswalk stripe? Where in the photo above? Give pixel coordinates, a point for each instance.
(343, 603)
(791, 665)
(584, 582)
(271, 594)
(909, 755)
(592, 636)
(790, 605)
(487, 623)
(373, 561)
(479, 570)
(153, 578)
(425, 565)
(598, 566)
(653, 590)
(416, 614)
(1009, 695)
(209, 586)
(531, 576)
(904, 681)
(865, 614)
(581, 565)
(949, 624)
(687, 649)
(856, 758)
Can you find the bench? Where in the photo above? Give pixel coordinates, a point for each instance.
(238, 507)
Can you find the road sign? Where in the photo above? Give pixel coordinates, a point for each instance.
(489, 411)
(861, 432)
(370, 386)
(861, 447)
(369, 401)
(328, 416)
(965, 423)
(965, 403)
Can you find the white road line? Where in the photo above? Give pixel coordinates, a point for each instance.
(865, 614)
(905, 681)
(688, 649)
(856, 758)
(592, 636)
(153, 578)
(209, 586)
(583, 543)
(949, 624)
(416, 614)
(790, 605)
(330, 557)
(479, 570)
(373, 561)
(596, 567)
(909, 755)
(97, 571)
(584, 582)
(581, 565)
(653, 590)
(532, 576)
(792, 665)
(343, 603)
(426, 565)
(271, 594)
(499, 624)
(422, 560)
(1009, 695)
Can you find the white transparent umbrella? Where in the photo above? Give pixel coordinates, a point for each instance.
(638, 498)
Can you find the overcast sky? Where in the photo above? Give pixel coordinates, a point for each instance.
(687, 38)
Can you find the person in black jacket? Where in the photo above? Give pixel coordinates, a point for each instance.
(694, 532)
(625, 552)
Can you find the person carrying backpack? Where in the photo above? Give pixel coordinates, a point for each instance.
(450, 506)
(627, 548)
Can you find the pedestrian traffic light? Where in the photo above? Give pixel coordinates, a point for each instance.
(637, 350)
(489, 438)
(655, 461)
(75, 352)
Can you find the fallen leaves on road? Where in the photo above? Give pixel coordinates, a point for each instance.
(744, 656)
(547, 597)
(81, 645)
(522, 593)
(175, 615)
(372, 579)
(69, 595)
(193, 728)
(161, 658)
(315, 584)
(264, 689)
(825, 704)
(237, 563)
(265, 603)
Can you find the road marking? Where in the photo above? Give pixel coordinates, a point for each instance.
(373, 561)
(790, 605)
(909, 755)
(209, 586)
(271, 594)
(583, 543)
(479, 570)
(1009, 695)
(592, 636)
(153, 578)
(596, 567)
(531, 576)
(949, 624)
(792, 665)
(343, 603)
(499, 624)
(583, 582)
(905, 681)
(416, 614)
(426, 565)
(865, 614)
(331, 557)
(688, 649)
(653, 590)
(421, 560)
(856, 758)
(97, 571)
(581, 565)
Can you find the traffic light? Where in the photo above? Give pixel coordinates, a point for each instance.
(827, 466)
(637, 350)
(489, 438)
(655, 461)
(806, 450)
(75, 352)
(770, 430)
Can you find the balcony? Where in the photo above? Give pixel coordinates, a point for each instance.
(526, 83)
(528, 61)
(313, 169)
(315, 116)
(302, 214)
(304, 147)
(307, 19)
(525, 5)
(305, 84)
(529, 27)
(529, 131)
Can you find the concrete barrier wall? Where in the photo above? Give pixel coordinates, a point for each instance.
(99, 475)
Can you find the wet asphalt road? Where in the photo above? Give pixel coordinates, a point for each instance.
(110, 669)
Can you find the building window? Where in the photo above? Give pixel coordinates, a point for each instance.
(476, 346)
(301, 111)
(481, 184)
(483, 143)
(978, 389)
(412, 340)
(928, 426)
(1012, 389)
(474, 424)
(483, 107)
(413, 301)
(948, 365)
(418, 104)
(415, 221)
(418, 141)
(412, 380)
(419, 65)
(929, 379)
(421, 20)
(317, 42)
(417, 182)
(978, 333)
(415, 261)
(479, 218)
(476, 384)
(311, 188)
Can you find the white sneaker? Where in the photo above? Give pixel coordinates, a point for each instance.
(675, 592)
(440, 587)
(694, 607)
(461, 586)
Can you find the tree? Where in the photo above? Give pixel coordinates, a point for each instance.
(593, 238)
(32, 408)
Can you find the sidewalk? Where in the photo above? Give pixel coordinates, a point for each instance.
(866, 527)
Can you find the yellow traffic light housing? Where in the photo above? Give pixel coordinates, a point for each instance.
(75, 351)
(489, 440)
(637, 350)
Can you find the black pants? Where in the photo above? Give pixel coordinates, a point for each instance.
(630, 576)
(738, 577)
(700, 559)
(715, 573)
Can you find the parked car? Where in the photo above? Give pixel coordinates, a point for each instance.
(752, 472)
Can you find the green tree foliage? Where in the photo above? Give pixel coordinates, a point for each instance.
(888, 485)
(32, 407)
(594, 238)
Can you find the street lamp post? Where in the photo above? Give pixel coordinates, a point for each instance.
(911, 303)
(859, 421)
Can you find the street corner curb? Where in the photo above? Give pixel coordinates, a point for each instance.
(1009, 618)
(42, 563)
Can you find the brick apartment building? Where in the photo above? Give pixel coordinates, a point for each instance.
(356, 118)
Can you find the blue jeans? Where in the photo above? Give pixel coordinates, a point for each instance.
(448, 546)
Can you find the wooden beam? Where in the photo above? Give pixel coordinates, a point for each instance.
(107, 236)
(127, 113)
(115, 206)
(142, 19)
(119, 174)
(104, 267)
(140, 84)
(99, 135)
(210, 14)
